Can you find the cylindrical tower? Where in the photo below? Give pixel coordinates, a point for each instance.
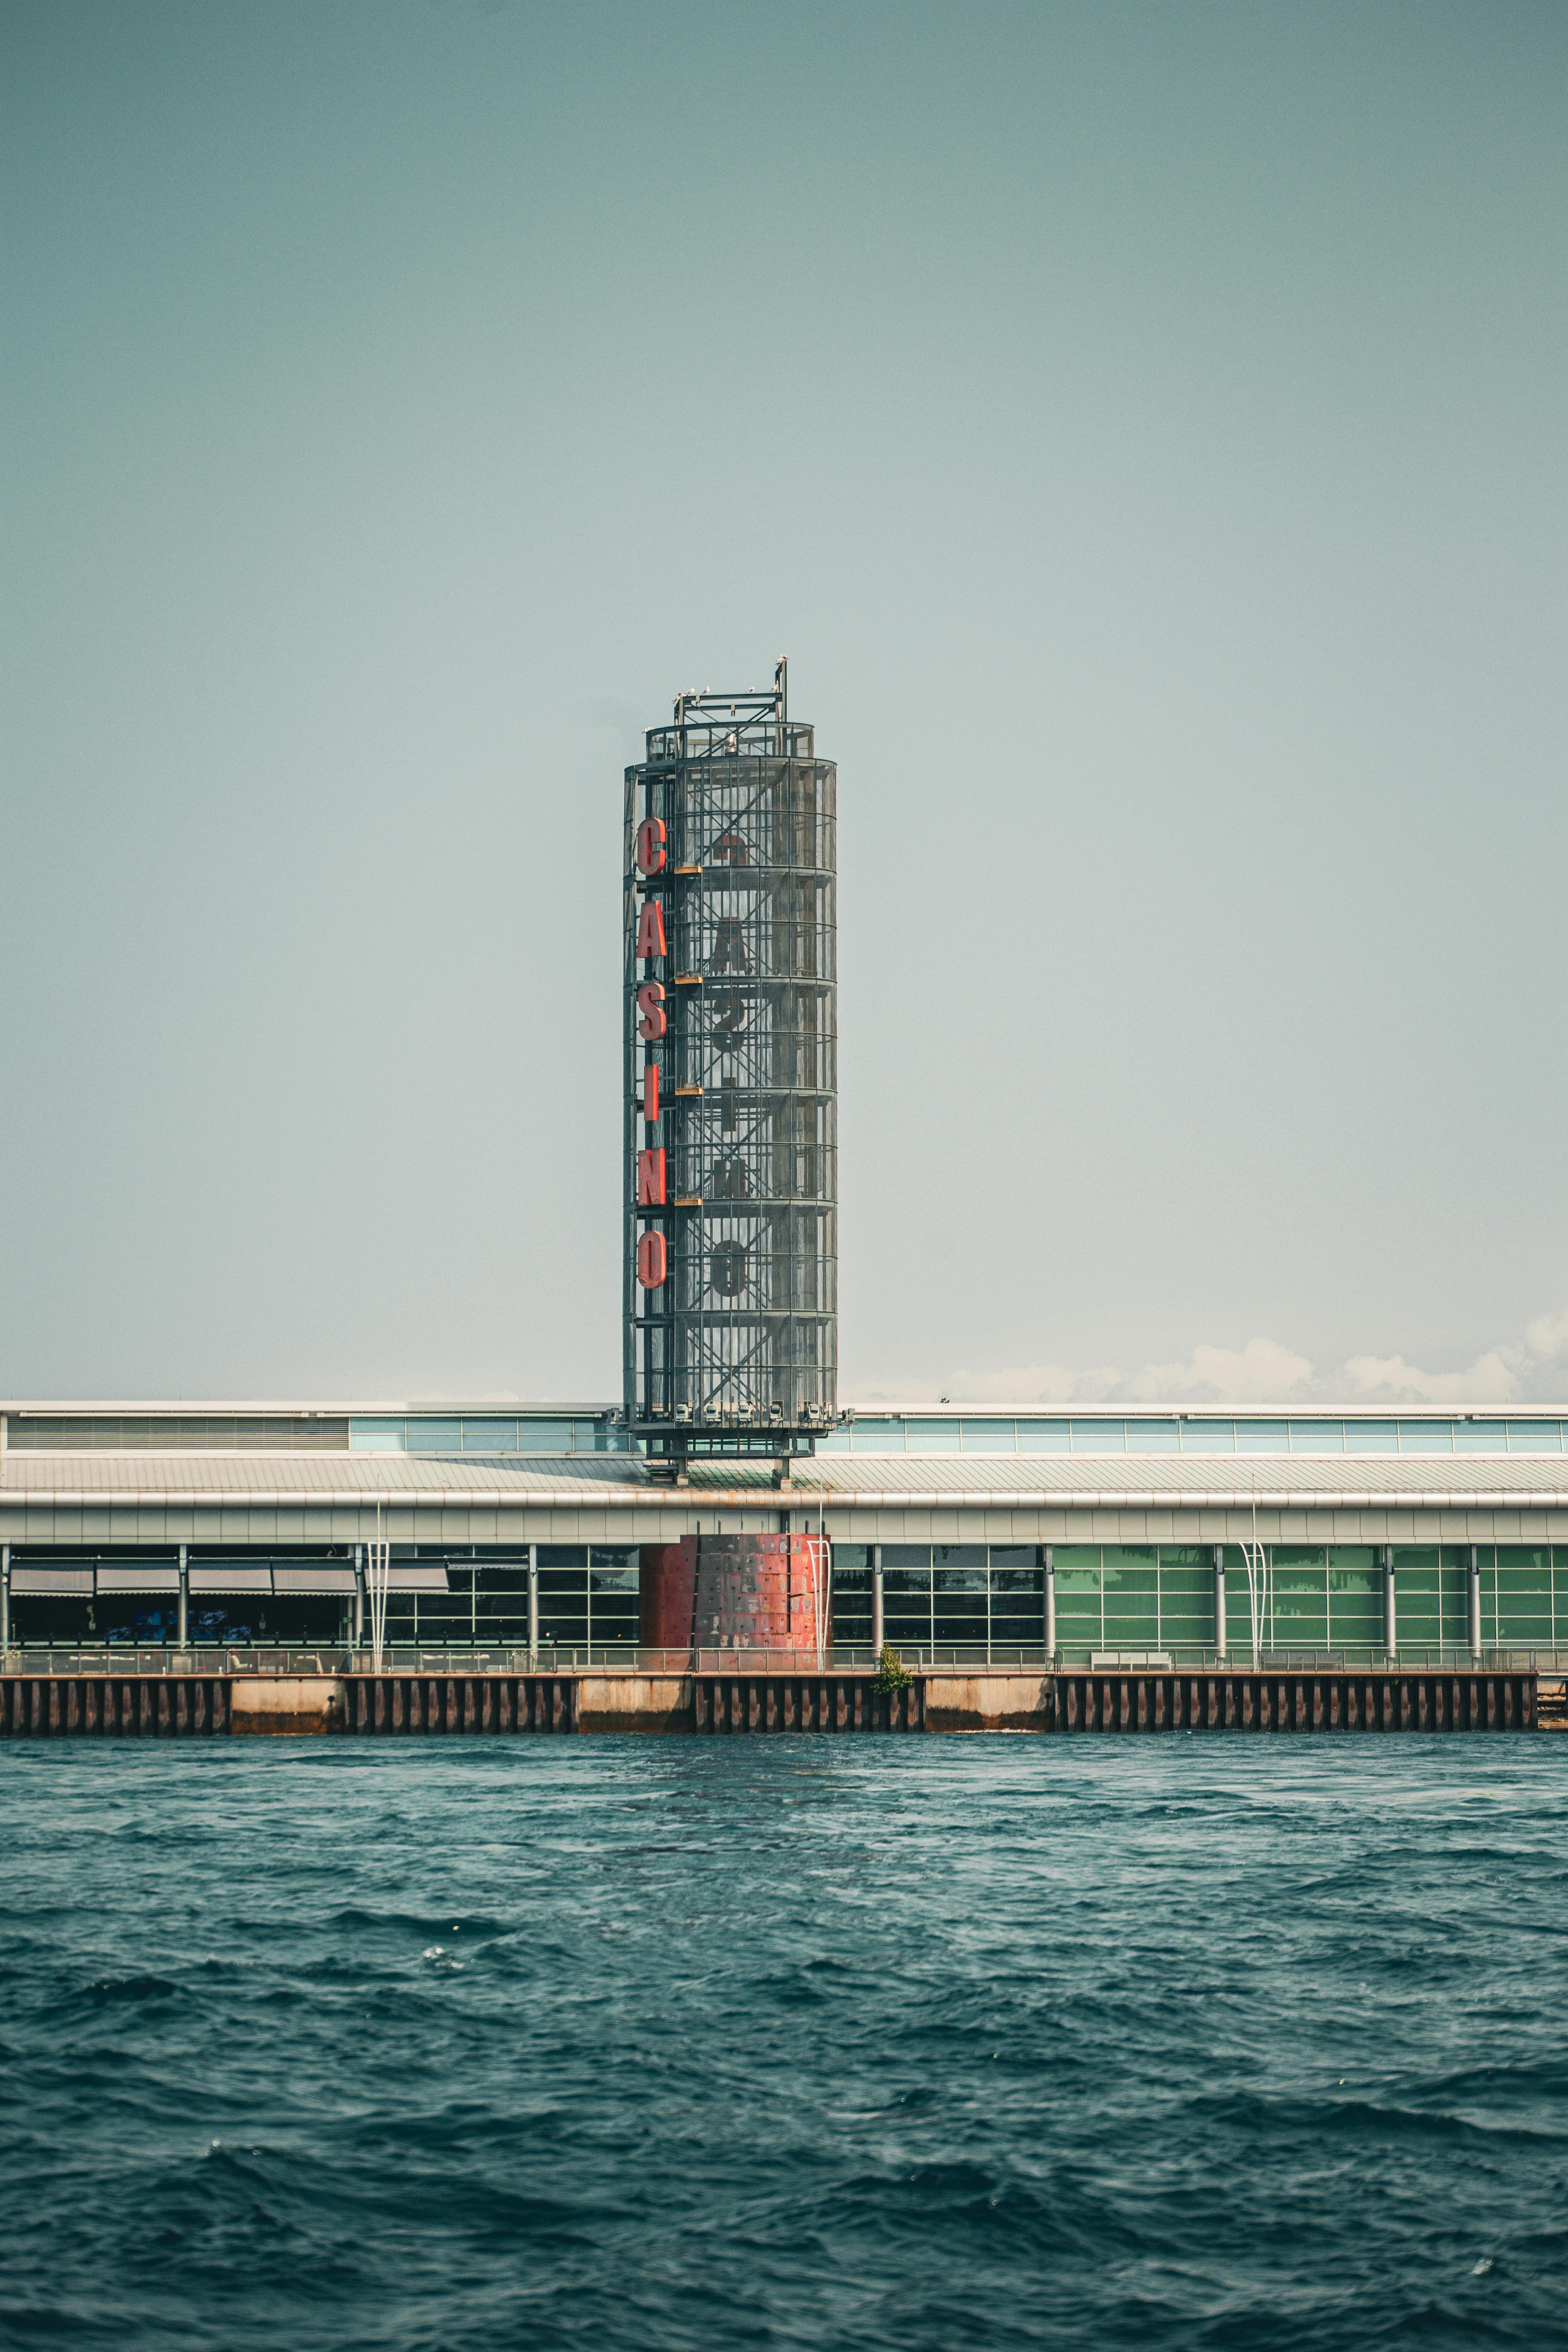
(731, 1079)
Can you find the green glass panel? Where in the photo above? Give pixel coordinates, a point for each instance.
(1185, 1580)
(1525, 1625)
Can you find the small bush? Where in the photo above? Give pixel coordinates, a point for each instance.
(891, 1674)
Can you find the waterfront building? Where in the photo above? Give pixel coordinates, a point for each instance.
(1005, 1531)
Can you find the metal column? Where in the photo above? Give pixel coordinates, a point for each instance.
(1048, 1558)
(1474, 1583)
(6, 1597)
(184, 1633)
(1390, 1622)
(359, 1597)
(877, 1633)
(533, 1604)
(1219, 1600)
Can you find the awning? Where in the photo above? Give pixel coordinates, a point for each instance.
(229, 1576)
(157, 1576)
(325, 1576)
(52, 1579)
(415, 1576)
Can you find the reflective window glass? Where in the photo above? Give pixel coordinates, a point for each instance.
(989, 1437)
(1535, 1437)
(1480, 1437)
(1098, 1436)
(376, 1437)
(541, 1436)
(931, 1436)
(1425, 1437)
(489, 1436)
(434, 1436)
(1317, 1437)
(905, 1556)
(502, 1577)
(1263, 1437)
(1371, 1437)
(1208, 1437)
(877, 1434)
(1042, 1436)
(1154, 1436)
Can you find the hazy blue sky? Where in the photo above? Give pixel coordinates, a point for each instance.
(1142, 426)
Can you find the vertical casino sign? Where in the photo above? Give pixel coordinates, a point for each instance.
(730, 1280)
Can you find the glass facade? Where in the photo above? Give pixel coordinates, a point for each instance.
(486, 1433)
(1195, 1433)
(1160, 1597)
(957, 1431)
(941, 1597)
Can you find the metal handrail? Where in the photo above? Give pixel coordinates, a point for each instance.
(565, 1658)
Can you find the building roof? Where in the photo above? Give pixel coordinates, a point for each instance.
(946, 1482)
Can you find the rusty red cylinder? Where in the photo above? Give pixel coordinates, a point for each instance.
(736, 1592)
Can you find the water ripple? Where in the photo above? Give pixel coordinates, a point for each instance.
(662, 2043)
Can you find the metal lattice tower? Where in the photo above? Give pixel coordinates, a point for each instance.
(732, 1188)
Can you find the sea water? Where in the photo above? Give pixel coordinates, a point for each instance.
(645, 2043)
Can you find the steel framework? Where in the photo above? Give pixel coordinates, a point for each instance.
(730, 841)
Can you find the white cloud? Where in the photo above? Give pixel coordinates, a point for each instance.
(1265, 1371)
(1547, 1337)
(1389, 1380)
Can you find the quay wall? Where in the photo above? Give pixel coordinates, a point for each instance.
(1067, 1701)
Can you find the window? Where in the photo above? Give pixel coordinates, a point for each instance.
(1425, 1437)
(1317, 1437)
(1480, 1437)
(931, 1436)
(1100, 1436)
(489, 1436)
(1043, 1436)
(1356, 1597)
(1130, 1584)
(1208, 1437)
(990, 1437)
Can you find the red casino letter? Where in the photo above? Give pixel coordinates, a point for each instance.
(650, 1092)
(652, 1258)
(650, 844)
(650, 1004)
(650, 928)
(650, 1180)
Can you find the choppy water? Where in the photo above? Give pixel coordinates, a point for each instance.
(651, 2043)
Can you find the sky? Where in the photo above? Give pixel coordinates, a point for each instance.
(1143, 429)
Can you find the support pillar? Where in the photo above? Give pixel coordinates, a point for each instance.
(1390, 1621)
(358, 1636)
(5, 1598)
(1048, 1562)
(534, 1604)
(878, 1623)
(1219, 1600)
(1473, 1580)
(184, 1627)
